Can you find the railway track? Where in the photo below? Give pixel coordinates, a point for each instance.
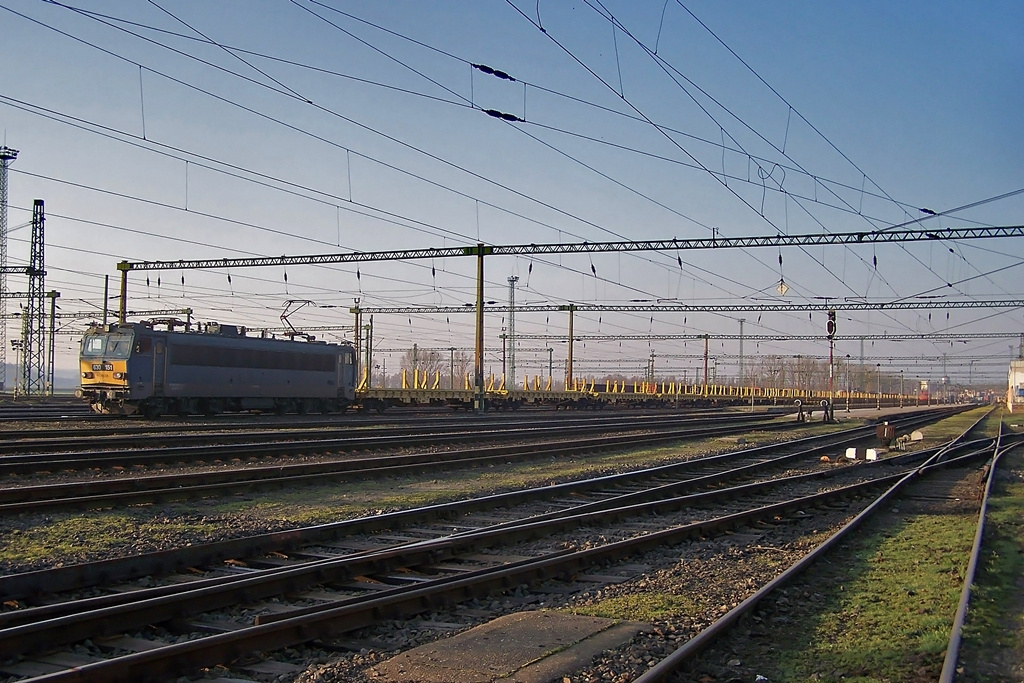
(33, 410)
(429, 565)
(134, 490)
(406, 418)
(93, 448)
(931, 481)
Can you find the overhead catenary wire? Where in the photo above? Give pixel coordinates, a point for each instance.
(599, 269)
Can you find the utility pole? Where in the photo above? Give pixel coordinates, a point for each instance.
(740, 382)
(568, 360)
(357, 333)
(847, 382)
(7, 155)
(478, 365)
(369, 353)
(878, 386)
(707, 339)
(50, 347)
(830, 330)
(512, 280)
(106, 298)
(945, 379)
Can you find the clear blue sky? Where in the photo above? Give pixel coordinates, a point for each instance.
(182, 130)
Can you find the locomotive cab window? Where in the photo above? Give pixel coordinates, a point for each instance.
(107, 345)
(143, 345)
(93, 345)
(119, 345)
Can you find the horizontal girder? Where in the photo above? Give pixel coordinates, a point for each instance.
(715, 242)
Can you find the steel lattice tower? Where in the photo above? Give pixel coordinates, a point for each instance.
(7, 155)
(33, 366)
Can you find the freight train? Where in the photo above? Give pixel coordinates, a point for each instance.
(133, 368)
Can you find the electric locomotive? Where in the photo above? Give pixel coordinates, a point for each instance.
(133, 368)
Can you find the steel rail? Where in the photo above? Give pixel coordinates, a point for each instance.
(949, 663)
(17, 457)
(91, 616)
(75, 576)
(661, 671)
(276, 581)
(352, 421)
(148, 489)
(356, 613)
(78, 576)
(656, 498)
(161, 488)
(536, 527)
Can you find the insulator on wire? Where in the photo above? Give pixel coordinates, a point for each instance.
(492, 72)
(502, 115)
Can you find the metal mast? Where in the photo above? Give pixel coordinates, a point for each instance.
(33, 366)
(511, 339)
(740, 381)
(7, 155)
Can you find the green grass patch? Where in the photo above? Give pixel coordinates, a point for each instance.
(954, 426)
(62, 539)
(889, 599)
(68, 540)
(994, 621)
(637, 607)
(329, 502)
(1013, 422)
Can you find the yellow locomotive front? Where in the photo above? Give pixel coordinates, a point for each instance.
(103, 361)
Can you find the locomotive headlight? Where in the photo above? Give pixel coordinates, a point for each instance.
(87, 375)
(118, 375)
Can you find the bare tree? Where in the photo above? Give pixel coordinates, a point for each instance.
(451, 364)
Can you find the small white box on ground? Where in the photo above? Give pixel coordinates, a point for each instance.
(917, 435)
(851, 453)
(871, 454)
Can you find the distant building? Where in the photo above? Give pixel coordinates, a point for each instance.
(1015, 392)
